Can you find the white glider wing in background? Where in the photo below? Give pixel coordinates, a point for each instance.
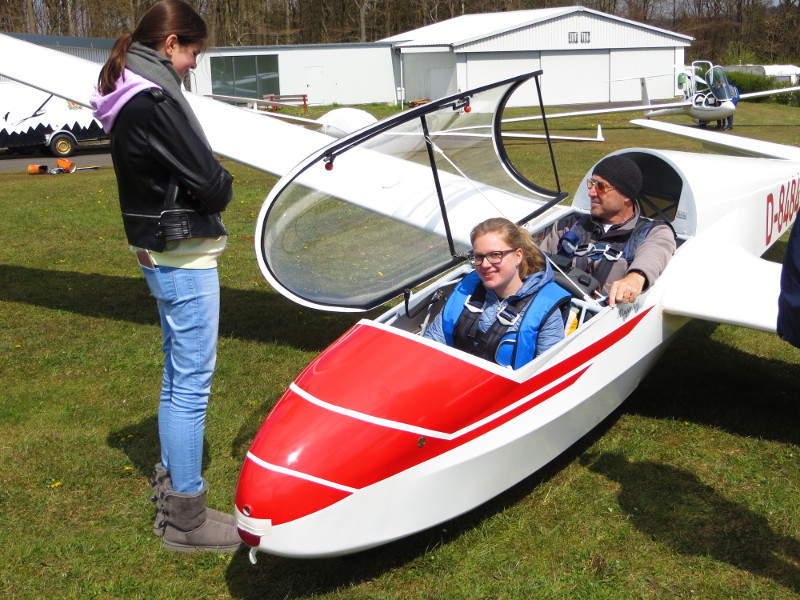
(385, 181)
(725, 143)
(707, 96)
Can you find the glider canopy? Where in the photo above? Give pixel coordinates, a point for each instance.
(391, 206)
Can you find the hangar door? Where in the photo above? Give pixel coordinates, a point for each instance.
(488, 67)
(575, 77)
(656, 65)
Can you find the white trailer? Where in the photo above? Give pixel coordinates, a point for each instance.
(32, 120)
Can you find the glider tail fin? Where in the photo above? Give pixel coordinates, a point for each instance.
(645, 95)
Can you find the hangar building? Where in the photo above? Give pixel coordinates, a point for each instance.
(586, 56)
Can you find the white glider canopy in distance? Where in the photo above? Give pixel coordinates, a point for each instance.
(387, 433)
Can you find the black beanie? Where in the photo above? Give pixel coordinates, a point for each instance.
(621, 172)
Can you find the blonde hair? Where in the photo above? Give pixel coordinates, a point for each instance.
(163, 19)
(533, 260)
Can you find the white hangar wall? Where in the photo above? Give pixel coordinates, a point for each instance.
(588, 76)
(428, 75)
(327, 74)
(586, 56)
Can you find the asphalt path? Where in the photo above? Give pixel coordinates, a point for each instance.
(86, 157)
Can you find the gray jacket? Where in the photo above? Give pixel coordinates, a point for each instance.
(651, 256)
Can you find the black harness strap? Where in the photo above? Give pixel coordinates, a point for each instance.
(626, 243)
(467, 336)
(467, 324)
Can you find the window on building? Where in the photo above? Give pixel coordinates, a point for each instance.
(253, 76)
(573, 37)
(585, 37)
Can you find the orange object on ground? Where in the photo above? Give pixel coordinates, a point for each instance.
(66, 164)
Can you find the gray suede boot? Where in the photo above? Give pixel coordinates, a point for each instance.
(160, 475)
(188, 528)
(160, 482)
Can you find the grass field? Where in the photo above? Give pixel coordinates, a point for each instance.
(691, 490)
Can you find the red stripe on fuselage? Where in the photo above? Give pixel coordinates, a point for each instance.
(377, 373)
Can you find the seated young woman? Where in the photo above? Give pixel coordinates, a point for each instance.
(509, 309)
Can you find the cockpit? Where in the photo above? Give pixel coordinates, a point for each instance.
(709, 84)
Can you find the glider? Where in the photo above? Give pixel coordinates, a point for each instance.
(386, 433)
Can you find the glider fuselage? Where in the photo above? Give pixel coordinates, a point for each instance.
(387, 433)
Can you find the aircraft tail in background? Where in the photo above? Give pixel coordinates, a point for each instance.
(645, 95)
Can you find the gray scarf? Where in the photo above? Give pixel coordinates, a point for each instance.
(157, 67)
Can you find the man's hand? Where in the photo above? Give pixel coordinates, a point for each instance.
(627, 289)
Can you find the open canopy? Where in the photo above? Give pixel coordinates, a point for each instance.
(718, 83)
(392, 205)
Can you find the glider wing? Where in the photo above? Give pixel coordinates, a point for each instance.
(769, 92)
(725, 143)
(731, 287)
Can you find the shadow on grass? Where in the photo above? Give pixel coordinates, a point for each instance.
(675, 508)
(250, 315)
(274, 578)
(141, 445)
(703, 381)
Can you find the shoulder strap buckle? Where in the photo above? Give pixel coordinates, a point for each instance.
(476, 300)
(473, 305)
(508, 316)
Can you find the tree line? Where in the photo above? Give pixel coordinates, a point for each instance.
(725, 31)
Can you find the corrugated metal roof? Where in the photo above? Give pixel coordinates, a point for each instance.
(468, 29)
(219, 50)
(58, 41)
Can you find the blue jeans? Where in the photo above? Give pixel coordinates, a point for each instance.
(188, 303)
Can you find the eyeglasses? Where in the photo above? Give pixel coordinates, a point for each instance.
(601, 187)
(493, 257)
(598, 251)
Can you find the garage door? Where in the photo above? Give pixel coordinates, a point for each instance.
(486, 68)
(575, 77)
(656, 65)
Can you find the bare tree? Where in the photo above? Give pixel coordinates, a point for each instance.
(766, 29)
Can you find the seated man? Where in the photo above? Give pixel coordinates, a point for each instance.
(623, 250)
(508, 309)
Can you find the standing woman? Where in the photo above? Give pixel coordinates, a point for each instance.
(171, 191)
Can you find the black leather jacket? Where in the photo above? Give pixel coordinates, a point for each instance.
(170, 185)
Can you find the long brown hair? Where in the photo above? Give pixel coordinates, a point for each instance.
(163, 19)
(516, 237)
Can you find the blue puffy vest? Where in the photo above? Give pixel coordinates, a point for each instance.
(506, 348)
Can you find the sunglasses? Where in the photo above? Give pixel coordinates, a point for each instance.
(601, 187)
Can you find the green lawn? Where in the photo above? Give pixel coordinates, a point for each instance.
(691, 490)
